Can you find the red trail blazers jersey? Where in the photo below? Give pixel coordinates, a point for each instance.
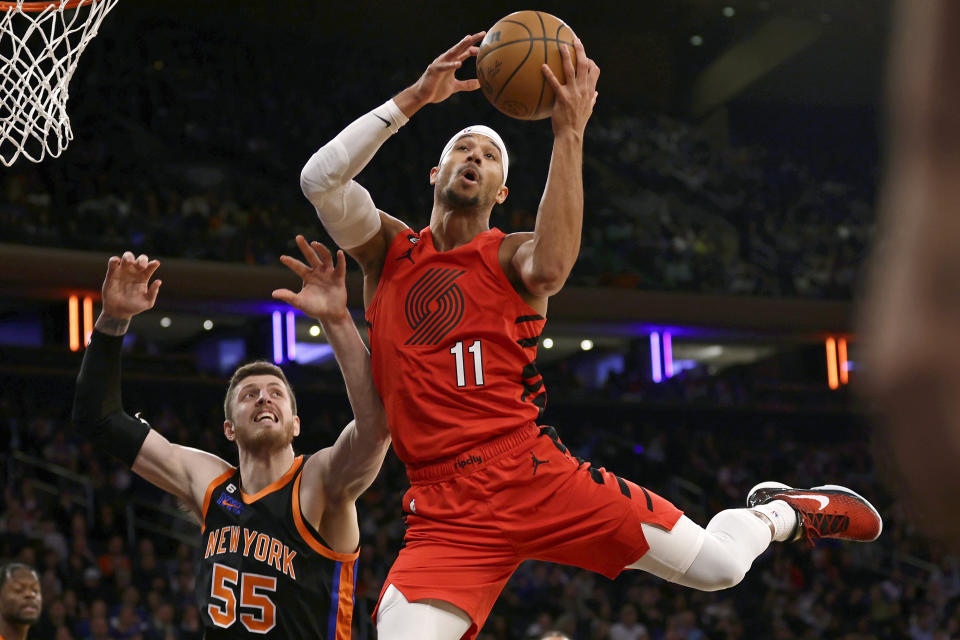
(264, 570)
(452, 347)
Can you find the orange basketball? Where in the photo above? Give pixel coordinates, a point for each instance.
(508, 64)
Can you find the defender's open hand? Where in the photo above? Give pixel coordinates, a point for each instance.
(324, 292)
(127, 289)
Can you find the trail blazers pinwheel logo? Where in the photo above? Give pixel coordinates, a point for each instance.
(434, 306)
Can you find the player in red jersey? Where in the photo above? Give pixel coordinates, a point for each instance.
(454, 313)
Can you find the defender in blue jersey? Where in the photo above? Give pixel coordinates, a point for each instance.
(280, 533)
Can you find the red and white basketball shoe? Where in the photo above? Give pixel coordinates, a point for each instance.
(828, 511)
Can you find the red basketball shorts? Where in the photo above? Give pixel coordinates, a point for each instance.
(472, 520)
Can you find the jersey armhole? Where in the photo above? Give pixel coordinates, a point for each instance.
(388, 267)
(216, 482)
(491, 258)
(310, 535)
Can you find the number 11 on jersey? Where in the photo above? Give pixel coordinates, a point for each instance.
(476, 351)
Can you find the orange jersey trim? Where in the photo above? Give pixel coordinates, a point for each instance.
(209, 494)
(276, 484)
(345, 602)
(311, 539)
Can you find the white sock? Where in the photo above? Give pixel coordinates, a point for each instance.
(783, 517)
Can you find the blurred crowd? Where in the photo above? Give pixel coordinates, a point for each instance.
(190, 138)
(117, 562)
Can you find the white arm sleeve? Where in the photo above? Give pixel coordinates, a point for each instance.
(343, 206)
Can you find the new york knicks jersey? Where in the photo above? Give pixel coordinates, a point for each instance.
(452, 347)
(265, 571)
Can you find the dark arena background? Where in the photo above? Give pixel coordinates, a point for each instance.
(704, 342)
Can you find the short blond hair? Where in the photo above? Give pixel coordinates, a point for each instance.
(256, 368)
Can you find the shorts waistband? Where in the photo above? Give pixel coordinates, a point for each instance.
(472, 460)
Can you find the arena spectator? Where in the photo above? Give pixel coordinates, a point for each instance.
(20, 600)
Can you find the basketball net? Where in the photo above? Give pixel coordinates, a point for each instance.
(40, 44)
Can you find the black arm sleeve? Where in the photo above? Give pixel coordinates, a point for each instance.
(97, 407)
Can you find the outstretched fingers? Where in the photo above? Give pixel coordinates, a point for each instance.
(583, 62)
(471, 84)
(312, 259)
(576, 67)
(567, 69)
(319, 258)
(463, 47)
(131, 269)
(463, 55)
(296, 266)
(153, 290)
(284, 295)
(567, 60)
(150, 268)
(112, 265)
(551, 78)
(135, 264)
(338, 265)
(323, 252)
(468, 85)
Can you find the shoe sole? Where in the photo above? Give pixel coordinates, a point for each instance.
(825, 487)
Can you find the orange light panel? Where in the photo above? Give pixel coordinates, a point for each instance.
(87, 319)
(832, 378)
(73, 320)
(842, 352)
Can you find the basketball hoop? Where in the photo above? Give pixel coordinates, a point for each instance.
(40, 44)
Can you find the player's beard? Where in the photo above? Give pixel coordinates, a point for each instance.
(256, 438)
(459, 201)
(21, 619)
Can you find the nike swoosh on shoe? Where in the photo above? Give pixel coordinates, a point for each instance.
(823, 500)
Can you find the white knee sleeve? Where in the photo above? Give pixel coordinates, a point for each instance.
(398, 619)
(735, 537)
(671, 552)
(706, 559)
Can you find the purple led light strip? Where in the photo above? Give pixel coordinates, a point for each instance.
(655, 372)
(291, 336)
(277, 338)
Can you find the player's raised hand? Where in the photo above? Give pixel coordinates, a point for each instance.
(575, 98)
(127, 289)
(324, 293)
(439, 81)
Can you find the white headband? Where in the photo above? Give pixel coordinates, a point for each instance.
(486, 131)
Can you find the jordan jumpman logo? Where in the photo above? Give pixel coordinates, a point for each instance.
(407, 255)
(537, 463)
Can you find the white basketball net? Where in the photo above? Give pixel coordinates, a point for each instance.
(39, 51)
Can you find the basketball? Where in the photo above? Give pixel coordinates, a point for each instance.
(508, 64)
